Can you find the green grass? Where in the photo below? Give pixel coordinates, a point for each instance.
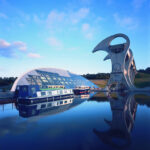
(100, 82)
(142, 80)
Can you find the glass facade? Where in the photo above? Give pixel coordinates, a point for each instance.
(52, 78)
(46, 79)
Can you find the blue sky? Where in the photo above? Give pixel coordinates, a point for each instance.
(63, 33)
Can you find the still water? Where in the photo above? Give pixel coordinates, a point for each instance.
(117, 121)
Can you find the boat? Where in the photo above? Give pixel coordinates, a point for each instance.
(81, 90)
(33, 95)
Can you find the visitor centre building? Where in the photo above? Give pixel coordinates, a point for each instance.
(52, 78)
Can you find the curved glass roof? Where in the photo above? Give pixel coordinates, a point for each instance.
(45, 77)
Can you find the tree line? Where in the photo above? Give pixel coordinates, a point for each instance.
(97, 76)
(7, 81)
(107, 75)
(147, 70)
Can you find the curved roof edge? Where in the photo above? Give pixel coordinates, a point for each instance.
(61, 72)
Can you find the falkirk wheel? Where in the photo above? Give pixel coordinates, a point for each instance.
(123, 64)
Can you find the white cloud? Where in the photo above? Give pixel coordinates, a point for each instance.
(2, 15)
(55, 17)
(85, 27)
(4, 44)
(77, 16)
(17, 44)
(34, 55)
(87, 31)
(127, 22)
(20, 45)
(89, 36)
(54, 42)
(58, 19)
(9, 49)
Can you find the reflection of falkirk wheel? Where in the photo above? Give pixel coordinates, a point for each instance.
(123, 117)
(123, 65)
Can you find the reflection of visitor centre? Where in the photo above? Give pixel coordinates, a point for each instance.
(52, 78)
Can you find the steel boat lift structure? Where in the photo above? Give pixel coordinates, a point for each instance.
(123, 64)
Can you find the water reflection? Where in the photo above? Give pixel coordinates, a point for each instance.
(123, 107)
(81, 123)
(50, 108)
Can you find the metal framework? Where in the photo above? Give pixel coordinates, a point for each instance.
(49, 77)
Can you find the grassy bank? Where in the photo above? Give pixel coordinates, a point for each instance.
(100, 82)
(141, 80)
